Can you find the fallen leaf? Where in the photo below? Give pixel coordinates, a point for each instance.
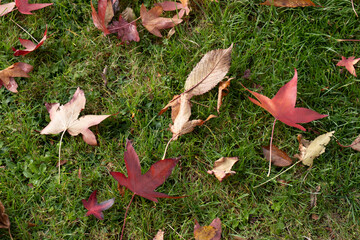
(159, 235)
(314, 217)
(278, 157)
(313, 196)
(6, 8)
(211, 69)
(65, 117)
(29, 45)
(223, 91)
(144, 184)
(25, 7)
(126, 31)
(289, 3)
(311, 150)
(152, 21)
(4, 218)
(212, 232)
(348, 63)
(247, 74)
(356, 144)
(175, 107)
(100, 17)
(62, 162)
(282, 105)
(96, 209)
(7, 75)
(222, 167)
(175, 6)
(128, 14)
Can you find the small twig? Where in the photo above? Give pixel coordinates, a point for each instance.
(167, 145)
(271, 139)
(62, 135)
(277, 175)
(346, 146)
(176, 232)
(348, 40)
(127, 208)
(25, 31)
(10, 234)
(353, 7)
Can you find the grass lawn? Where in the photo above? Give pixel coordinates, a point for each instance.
(141, 78)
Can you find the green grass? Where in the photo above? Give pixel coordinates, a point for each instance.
(142, 78)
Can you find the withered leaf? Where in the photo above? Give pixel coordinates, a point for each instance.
(103, 15)
(278, 157)
(289, 3)
(222, 167)
(311, 150)
(223, 91)
(7, 75)
(211, 232)
(211, 69)
(125, 30)
(4, 218)
(159, 235)
(29, 45)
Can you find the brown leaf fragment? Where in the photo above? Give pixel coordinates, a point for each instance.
(278, 157)
(211, 69)
(62, 162)
(7, 75)
(211, 232)
(152, 21)
(128, 14)
(159, 235)
(289, 3)
(310, 151)
(222, 167)
(30, 224)
(247, 74)
(223, 91)
(314, 217)
(313, 196)
(4, 218)
(356, 144)
(175, 107)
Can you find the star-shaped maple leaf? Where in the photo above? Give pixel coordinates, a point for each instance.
(95, 208)
(29, 45)
(282, 105)
(25, 7)
(348, 63)
(65, 117)
(144, 185)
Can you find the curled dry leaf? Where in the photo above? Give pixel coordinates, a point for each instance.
(311, 150)
(152, 21)
(7, 75)
(96, 209)
(222, 167)
(348, 63)
(65, 117)
(29, 45)
(25, 7)
(223, 91)
(211, 232)
(4, 218)
(278, 157)
(159, 235)
(6, 8)
(289, 3)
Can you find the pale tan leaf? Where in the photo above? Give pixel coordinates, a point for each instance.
(278, 157)
(211, 69)
(223, 91)
(222, 167)
(109, 12)
(159, 235)
(182, 118)
(175, 107)
(356, 144)
(314, 149)
(4, 218)
(128, 14)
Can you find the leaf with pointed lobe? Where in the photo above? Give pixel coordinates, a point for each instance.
(25, 7)
(175, 6)
(222, 167)
(29, 45)
(282, 105)
(6, 8)
(96, 209)
(102, 16)
(65, 117)
(144, 184)
(7, 75)
(348, 63)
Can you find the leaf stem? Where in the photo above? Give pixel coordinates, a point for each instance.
(127, 208)
(10, 234)
(353, 7)
(167, 145)
(277, 175)
(25, 31)
(271, 139)
(61, 138)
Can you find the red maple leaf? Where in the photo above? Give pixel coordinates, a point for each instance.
(348, 63)
(126, 31)
(29, 45)
(95, 208)
(282, 105)
(144, 185)
(25, 7)
(99, 17)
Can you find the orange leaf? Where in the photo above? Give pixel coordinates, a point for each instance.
(278, 157)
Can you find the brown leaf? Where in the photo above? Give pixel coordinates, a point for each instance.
(223, 91)
(278, 157)
(175, 107)
(4, 218)
(222, 167)
(159, 235)
(211, 69)
(7, 75)
(289, 3)
(152, 21)
(62, 162)
(212, 232)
